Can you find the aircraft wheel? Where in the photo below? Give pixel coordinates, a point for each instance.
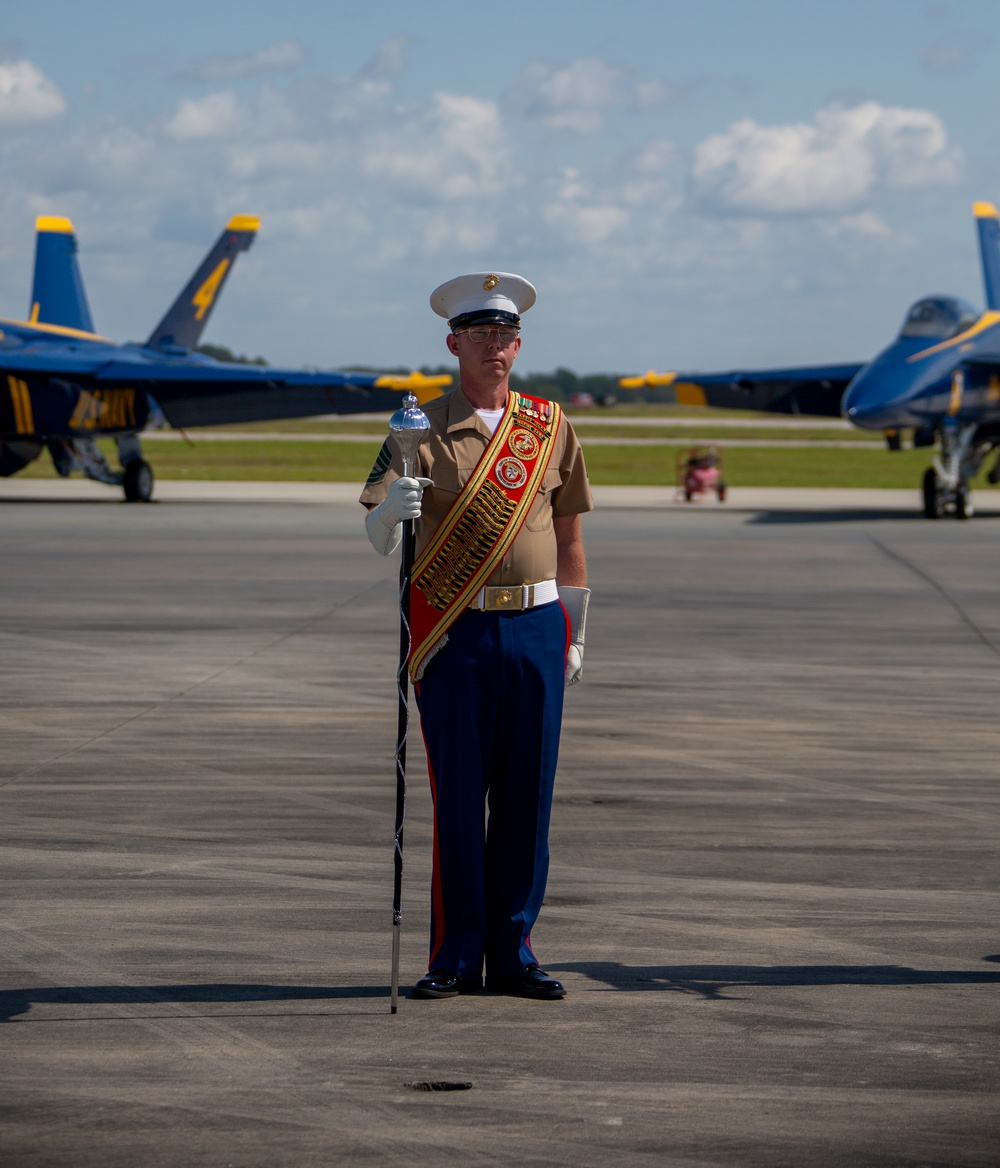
(137, 481)
(963, 504)
(932, 494)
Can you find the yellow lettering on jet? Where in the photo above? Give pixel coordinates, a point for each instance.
(203, 298)
(24, 421)
(119, 409)
(85, 415)
(104, 409)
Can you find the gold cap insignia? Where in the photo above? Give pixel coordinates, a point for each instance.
(491, 282)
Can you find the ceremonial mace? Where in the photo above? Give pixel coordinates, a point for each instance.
(407, 428)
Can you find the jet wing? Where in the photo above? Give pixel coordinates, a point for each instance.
(219, 395)
(64, 360)
(813, 389)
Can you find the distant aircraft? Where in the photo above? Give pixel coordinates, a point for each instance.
(66, 386)
(940, 379)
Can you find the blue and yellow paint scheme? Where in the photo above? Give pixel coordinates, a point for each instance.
(939, 380)
(62, 385)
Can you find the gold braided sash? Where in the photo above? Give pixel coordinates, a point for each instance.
(483, 522)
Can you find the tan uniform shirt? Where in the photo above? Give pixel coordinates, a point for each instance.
(448, 456)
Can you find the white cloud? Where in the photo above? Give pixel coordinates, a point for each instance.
(863, 223)
(829, 166)
(27, 96)
(456, 149)
(578, 97)
(574, 97)
(278, 57)
(389, 59)
(218, 115)
(582, 215)
(647, 94)
(953, 52)
(366, 196)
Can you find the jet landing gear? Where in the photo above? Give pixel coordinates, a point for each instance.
(939, 497)
(137, 481)
(946, 485)
(137, 474)
(84, 455)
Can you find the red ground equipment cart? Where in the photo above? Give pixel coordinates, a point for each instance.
(699, 472)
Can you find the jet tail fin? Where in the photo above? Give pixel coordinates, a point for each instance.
(989, 250)
(57, 293)
(187, 316)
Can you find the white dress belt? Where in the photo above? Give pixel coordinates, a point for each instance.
(512, 597)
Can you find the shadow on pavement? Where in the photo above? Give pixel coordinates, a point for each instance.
(14, 1002)
(710, 981)
(838, 515)
(858, 515)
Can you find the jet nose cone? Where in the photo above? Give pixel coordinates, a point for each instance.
(865, 402)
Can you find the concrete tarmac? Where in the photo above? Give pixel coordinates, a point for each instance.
(773, 893)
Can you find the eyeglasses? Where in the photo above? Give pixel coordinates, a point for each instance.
(480, 334)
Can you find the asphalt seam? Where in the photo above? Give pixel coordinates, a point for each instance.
(940, 589)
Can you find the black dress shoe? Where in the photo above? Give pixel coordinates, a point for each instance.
(532, 983)
(441, 983)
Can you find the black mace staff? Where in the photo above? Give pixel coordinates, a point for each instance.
(407, 429)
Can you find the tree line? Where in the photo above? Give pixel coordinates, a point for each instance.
(563, 385)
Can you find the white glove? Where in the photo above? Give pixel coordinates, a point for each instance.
(575, 601)
(402, 502)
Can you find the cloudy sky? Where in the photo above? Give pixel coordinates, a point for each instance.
(694, 186)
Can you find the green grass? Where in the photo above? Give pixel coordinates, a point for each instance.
(601, 429)
(278, 461)
(597, 420)
(608, 465)
(719, 434)
(762, 466)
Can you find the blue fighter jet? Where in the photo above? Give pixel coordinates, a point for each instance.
(62, 386)
(939, 381)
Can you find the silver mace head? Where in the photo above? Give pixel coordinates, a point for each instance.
(407, 428)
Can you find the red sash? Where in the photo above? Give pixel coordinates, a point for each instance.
(477, 532)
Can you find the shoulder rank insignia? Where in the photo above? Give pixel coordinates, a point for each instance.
(382, 464)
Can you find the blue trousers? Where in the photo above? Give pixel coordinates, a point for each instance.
(490, 709)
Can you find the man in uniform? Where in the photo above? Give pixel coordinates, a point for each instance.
(497, 613)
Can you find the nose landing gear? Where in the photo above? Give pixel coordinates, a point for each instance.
(933, 495)
(939, 498)
(946, 485)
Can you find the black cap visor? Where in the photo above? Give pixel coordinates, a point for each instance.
(484, 316)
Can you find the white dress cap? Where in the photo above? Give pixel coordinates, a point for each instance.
(483, 294)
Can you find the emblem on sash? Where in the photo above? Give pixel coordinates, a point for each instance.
(523, 444)
(511, 472)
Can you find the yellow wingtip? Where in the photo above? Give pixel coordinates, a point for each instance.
(244, 223)
(984, 211)
(54, 223)
(647, 379)
(424, 387)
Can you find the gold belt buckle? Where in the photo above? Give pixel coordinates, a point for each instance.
(498, 598)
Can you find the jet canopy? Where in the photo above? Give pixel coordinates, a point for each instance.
(938, 318)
